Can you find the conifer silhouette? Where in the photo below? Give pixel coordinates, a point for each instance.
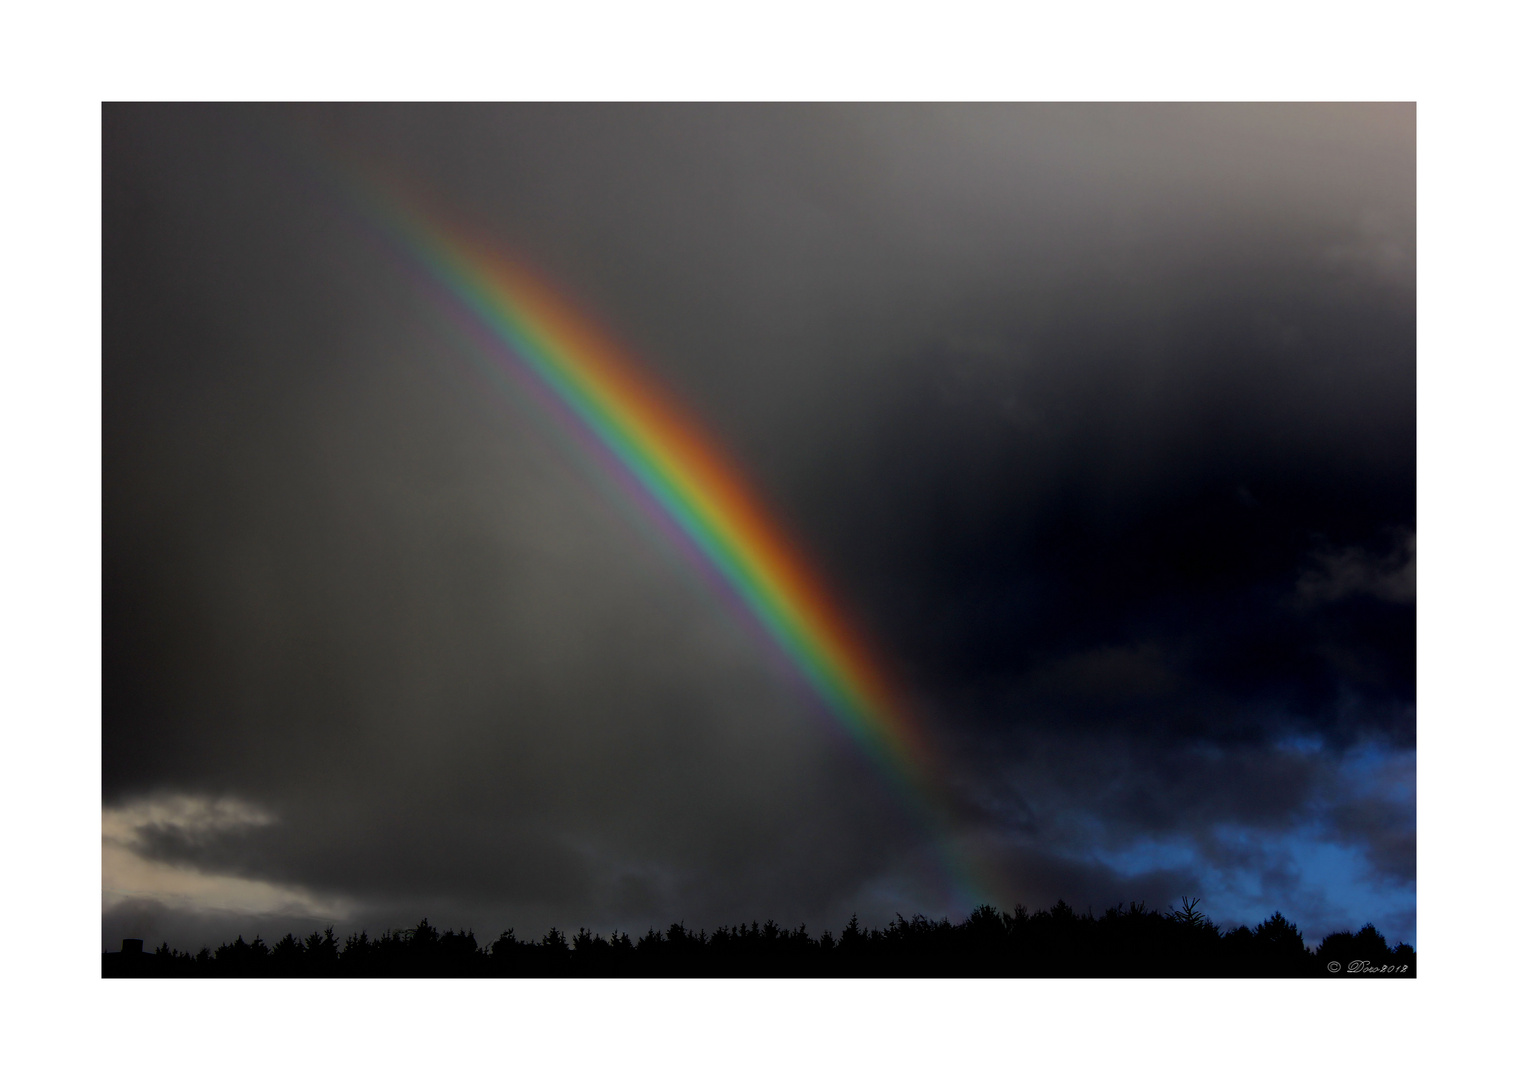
(1124, 941)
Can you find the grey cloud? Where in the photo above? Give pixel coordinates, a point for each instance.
(1386, 830)
(1337, 574)
(1002, 371)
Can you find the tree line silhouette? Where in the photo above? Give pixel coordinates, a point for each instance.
(1131, 940)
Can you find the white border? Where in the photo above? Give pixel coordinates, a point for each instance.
(64, 60)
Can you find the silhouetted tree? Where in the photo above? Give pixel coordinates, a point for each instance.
(1125, 940)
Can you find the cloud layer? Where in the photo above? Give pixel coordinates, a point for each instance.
(1099, 419)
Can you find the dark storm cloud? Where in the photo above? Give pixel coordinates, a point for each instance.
(1099, 418)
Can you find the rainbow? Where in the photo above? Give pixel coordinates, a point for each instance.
(682, 477)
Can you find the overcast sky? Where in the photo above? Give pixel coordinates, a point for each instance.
(1099, 420)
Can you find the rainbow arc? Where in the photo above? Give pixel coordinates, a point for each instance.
(683, 476)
